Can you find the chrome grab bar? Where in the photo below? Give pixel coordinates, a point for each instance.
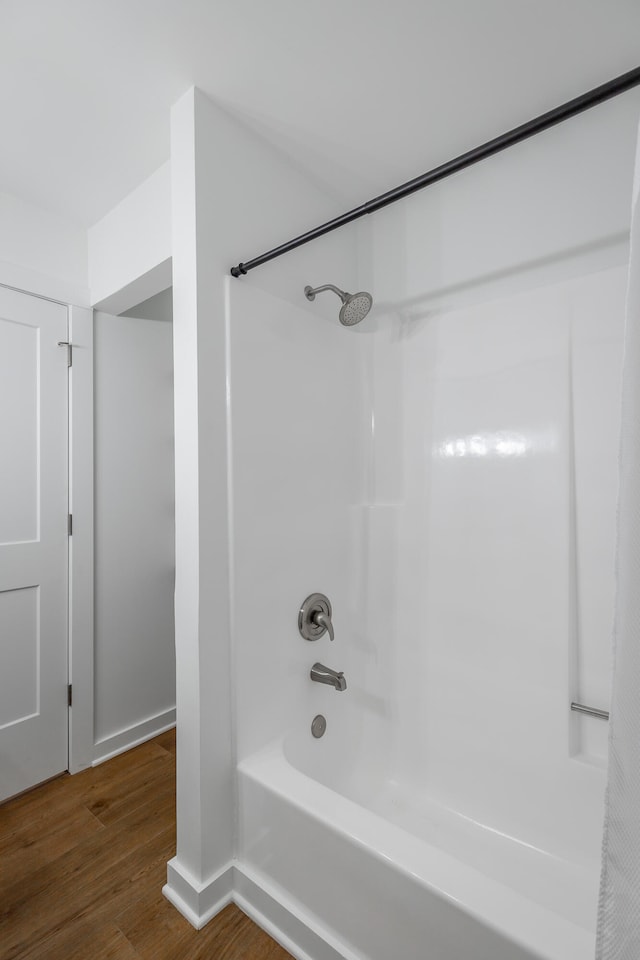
(590, 711)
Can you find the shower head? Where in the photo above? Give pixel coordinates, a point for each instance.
(355, 306)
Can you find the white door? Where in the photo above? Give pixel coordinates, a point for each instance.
(33, 541)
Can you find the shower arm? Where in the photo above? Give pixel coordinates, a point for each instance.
(311, 294)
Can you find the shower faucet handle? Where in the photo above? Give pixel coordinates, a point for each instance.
(314, 617)
(322, 620)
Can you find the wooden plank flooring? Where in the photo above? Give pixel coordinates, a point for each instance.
(82, 864)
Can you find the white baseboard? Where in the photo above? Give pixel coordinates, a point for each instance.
(273, 910)
(198, 902)
(132, 736)
(300, 934)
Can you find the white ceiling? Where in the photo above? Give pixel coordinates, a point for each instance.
(363, 93)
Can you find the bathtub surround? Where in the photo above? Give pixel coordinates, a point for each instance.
(445, 473)
(619, 907)
(420, 796)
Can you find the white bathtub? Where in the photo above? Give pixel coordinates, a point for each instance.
(401, 878)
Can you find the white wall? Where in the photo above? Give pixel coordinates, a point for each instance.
(232, 195)
(42, 253)
(134, 528)
(129, 249)
(158, 307)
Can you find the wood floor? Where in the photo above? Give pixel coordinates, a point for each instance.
(82, 864)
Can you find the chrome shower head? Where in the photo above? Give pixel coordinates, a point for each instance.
(355, 306)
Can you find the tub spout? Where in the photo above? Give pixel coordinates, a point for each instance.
(322, 674)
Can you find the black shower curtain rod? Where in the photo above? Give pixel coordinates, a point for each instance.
(525, 130)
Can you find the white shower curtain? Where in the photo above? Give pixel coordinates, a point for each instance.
(619, 907)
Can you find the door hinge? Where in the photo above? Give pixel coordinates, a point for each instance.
(70, 695)
(69, 524)
(69, 346)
